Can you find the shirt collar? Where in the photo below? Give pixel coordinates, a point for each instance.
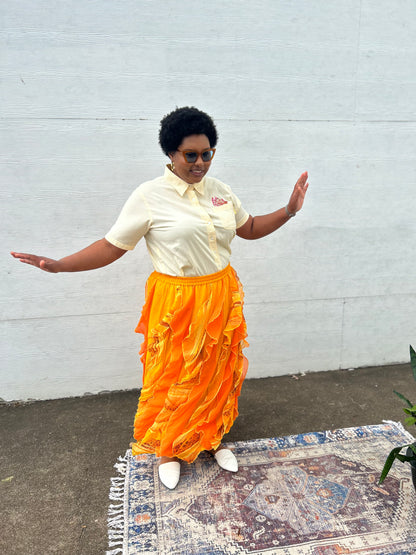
(180, 185)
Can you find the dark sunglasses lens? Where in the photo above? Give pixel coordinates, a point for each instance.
(207, 155)
(191, 156)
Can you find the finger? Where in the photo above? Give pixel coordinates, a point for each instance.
(21, 255)
(27, 261)
(304, 188)
(31, 259)
(18, 254)
(302, 179)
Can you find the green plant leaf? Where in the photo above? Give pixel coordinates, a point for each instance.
(389, 462)
(403, 398)
(404, 458)
(413, 361)
(410, 421)
(413, 448)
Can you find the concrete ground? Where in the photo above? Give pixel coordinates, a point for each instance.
(57, 457)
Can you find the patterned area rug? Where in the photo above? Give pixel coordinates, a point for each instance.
(310, 494)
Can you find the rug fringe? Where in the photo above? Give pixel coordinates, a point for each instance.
(117, 517)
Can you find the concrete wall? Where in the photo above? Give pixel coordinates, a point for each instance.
(325, 86)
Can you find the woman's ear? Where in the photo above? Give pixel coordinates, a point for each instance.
(172, 164)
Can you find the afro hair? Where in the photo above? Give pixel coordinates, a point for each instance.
(183, 122)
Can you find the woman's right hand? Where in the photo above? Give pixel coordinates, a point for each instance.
(45, 264)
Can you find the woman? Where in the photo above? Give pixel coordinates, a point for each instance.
(192, 320)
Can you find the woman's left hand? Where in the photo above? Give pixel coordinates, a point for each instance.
(298, 196)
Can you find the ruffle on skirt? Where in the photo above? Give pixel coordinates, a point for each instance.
(193, 366)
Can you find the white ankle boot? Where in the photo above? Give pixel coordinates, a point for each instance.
(169, 474)
(226, 460)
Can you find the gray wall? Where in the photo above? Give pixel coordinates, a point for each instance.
(325, 86)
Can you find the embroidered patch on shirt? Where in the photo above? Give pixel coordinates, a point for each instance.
(218, 201)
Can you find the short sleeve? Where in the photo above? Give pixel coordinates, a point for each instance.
(132, 224)
(241, 216)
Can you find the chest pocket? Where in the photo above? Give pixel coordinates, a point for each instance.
(224, 216)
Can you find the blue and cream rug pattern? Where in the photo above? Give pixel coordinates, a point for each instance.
(308, 494)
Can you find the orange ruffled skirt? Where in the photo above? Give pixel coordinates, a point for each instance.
(193, 366)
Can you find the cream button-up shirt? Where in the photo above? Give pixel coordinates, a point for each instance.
(188, 228)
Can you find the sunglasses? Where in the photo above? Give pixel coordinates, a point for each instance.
(191, 156)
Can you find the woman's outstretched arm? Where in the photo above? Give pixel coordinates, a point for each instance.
(99, 254)
(260, 226)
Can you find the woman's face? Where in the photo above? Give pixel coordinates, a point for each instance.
(191, 172)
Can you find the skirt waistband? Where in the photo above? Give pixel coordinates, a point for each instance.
(192, 280)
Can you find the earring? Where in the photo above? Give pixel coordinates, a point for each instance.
(172, 166)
